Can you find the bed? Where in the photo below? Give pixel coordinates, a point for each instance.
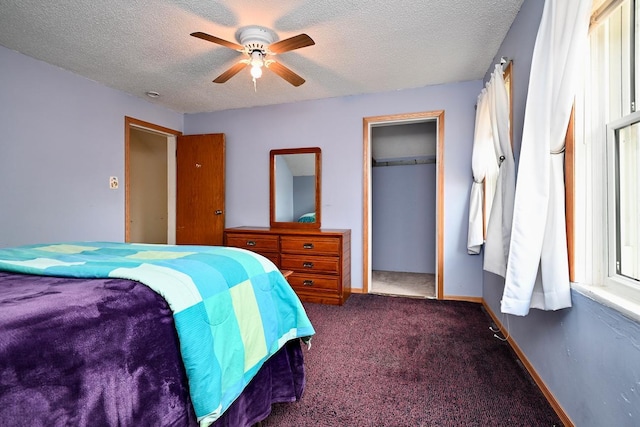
(121, 334)
(308, 217)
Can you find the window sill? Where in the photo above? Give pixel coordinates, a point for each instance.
(615, 295)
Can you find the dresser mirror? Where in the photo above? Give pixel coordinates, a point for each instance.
(295, 187)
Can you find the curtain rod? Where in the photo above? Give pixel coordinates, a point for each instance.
(604, 10)
(504, 62)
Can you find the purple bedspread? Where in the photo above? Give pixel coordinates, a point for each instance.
(104, 352)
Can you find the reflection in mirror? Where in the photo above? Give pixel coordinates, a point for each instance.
(295, 188)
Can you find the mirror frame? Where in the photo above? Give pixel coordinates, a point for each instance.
(272, 187)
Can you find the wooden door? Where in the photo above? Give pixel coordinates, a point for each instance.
(200, 170)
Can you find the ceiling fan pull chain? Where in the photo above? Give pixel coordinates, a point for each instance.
(255, 88)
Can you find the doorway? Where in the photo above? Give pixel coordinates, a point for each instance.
(431, 259)
(150, 182)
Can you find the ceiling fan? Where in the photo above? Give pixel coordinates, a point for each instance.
(258, 44)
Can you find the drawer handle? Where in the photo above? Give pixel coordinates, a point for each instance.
(308, 283)
(307, 264)
(308, 246)
(251, 243)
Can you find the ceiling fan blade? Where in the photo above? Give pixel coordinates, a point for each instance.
(286, 73)
(295, 42)
(217, 40)
(235, 69)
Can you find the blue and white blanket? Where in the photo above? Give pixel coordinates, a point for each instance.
(232, 308)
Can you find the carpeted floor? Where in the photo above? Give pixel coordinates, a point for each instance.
(400, 283)
(386, 362)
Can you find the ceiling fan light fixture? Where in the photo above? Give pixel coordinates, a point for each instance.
(256, 72)
(258, 43)
(256, 64)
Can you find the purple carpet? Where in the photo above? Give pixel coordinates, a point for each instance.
(385, 361)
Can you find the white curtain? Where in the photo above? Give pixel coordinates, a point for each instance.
(483, 167)
(537, 273)
(496, 247)
(491, 133)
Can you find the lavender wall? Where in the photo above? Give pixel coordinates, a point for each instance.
(588, 355)
(62, 137)
(335, 125)
(403, 218)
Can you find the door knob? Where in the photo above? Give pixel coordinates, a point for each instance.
(218, 212)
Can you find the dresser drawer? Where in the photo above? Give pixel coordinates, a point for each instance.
(315, 264)
(320, 260)
(312, 245)
(309, 282)
(254, 242)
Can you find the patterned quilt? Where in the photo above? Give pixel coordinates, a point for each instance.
(232, 308)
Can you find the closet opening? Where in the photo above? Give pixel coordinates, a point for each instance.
(150, 183)
(403, 192)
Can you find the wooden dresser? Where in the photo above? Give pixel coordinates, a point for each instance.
(320, 259)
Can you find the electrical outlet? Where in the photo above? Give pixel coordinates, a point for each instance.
(113, 182)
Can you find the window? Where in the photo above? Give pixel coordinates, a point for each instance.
(623, 156)
(607, 190)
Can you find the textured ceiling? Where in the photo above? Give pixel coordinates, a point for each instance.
(362, 46)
